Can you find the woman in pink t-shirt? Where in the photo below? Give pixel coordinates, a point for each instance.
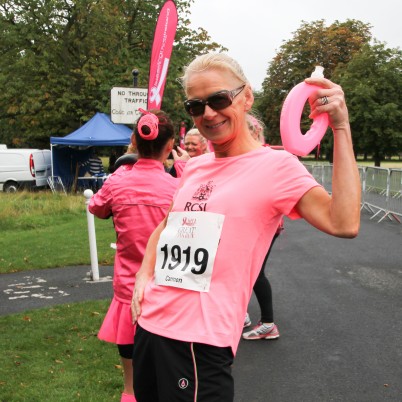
(201, 262)
(137, 196)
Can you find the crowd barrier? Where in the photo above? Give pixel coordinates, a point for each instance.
(381, 189)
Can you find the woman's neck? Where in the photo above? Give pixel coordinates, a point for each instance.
(236, 146)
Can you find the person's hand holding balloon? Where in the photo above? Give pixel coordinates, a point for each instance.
(330, 99)
(327, 105)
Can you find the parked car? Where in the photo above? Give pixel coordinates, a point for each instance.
(24, 168)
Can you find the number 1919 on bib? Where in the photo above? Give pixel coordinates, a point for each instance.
(176, 258)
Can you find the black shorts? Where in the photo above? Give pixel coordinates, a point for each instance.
(170, 370)
(126, 351)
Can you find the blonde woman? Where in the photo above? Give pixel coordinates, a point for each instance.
(200, 265)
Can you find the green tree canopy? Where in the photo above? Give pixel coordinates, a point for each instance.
(312, 44)
(372, 82)
(60, 58)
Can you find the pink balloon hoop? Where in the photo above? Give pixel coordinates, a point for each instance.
(292, 138)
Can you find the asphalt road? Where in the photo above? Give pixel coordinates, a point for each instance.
(338, 307)
(337, 303)
(49, 287)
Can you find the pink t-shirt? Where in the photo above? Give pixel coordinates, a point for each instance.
(123, 169)
(179, 166)
(253, 191)
(138, 197)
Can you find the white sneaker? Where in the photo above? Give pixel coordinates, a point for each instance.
(262, 331)
(247, 321)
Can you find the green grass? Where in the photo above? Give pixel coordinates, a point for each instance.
(45, 230)
(54, 355)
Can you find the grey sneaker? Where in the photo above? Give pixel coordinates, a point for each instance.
(247, 321)
(262, 331)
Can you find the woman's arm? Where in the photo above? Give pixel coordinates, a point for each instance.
(100, 204)
(339, 214)
(146, 271)
(180, 157)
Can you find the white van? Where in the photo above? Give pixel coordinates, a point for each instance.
(24, 168)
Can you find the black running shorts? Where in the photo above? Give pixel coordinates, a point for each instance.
(167, 370)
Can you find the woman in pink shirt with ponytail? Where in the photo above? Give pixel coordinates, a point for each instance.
(137, 199)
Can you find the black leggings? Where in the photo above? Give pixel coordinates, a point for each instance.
(126, 351)
(263, 291)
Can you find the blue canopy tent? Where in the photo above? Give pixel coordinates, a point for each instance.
(71, 151)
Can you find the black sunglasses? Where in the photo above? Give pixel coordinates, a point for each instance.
(217, 101)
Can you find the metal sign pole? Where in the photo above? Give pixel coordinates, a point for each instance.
(135, 73)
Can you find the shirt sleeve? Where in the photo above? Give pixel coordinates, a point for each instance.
(179, 167)
(101, 203)
(294, 183)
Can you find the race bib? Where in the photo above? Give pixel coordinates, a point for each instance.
(187, 249)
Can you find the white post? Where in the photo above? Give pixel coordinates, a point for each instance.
(51, 159)
(92, 237)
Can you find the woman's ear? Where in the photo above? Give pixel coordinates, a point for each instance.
(249, 99)
(133, 142)
(170, 145)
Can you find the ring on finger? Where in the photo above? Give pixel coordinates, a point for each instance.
(324, 101)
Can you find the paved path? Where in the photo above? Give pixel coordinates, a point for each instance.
(338, 306)
(48, 287)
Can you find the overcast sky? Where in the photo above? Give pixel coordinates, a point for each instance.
(253, 30)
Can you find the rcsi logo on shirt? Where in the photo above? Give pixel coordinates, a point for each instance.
(204, 191)
(202, 194)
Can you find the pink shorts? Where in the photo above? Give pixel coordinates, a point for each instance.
(117, 327)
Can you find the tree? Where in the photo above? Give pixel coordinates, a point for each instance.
(372, 82)
(312, 44)
(60, 58)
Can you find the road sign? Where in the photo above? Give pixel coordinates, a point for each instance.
(124, 104)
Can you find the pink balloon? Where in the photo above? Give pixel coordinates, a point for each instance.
(292, 138)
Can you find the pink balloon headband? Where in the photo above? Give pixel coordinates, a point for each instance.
(151, 122)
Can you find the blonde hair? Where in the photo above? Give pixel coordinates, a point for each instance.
(196, 133)
(213, 61)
